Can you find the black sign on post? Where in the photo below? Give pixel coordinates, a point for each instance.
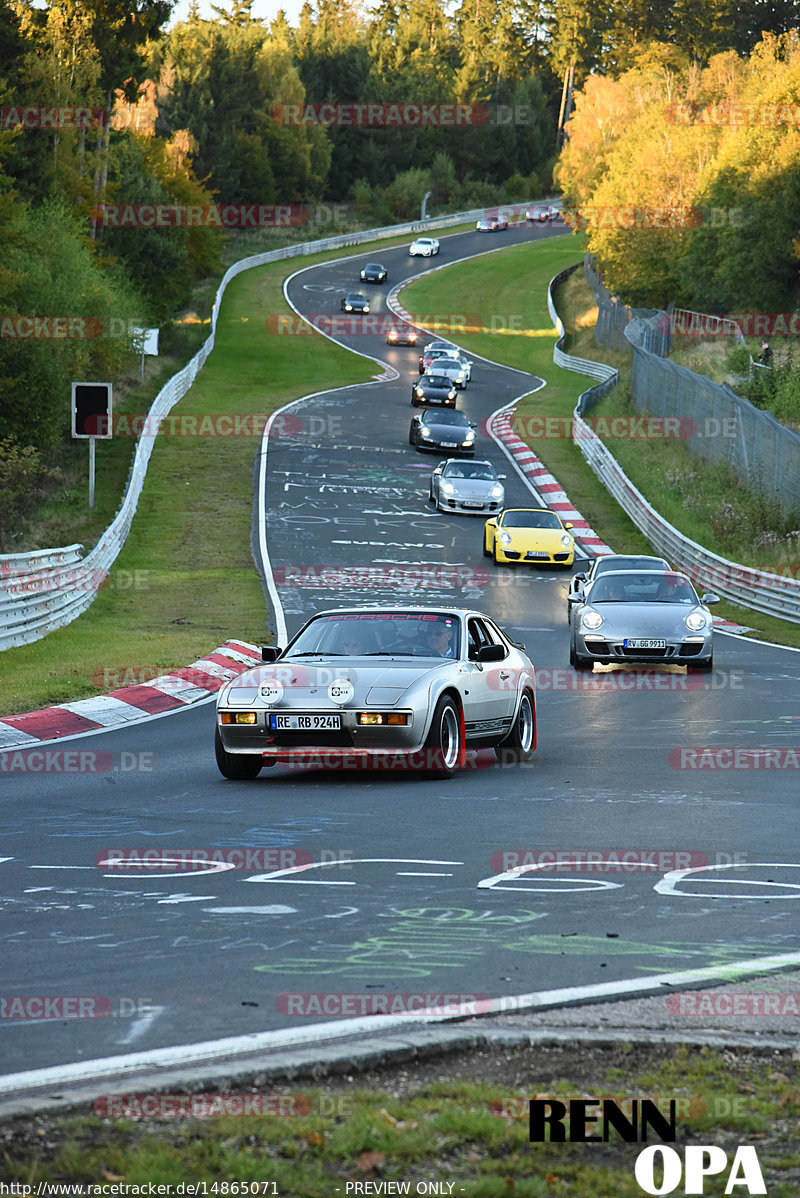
(91, 410)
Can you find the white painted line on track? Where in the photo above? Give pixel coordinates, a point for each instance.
(211, 1051)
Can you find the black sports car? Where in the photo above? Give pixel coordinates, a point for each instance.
(355, 303)
(373, 272)
(434, 388)
(442, 430)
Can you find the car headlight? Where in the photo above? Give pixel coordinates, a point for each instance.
(423, 428)
(348, 308)
(365, 308)
(504, 538)
(470, 436)
(592, 619)
(448, 488)
(566, 540)
(451, 394)
(496, 491)
(695, 621)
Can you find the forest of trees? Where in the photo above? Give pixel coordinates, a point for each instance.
(195, 120)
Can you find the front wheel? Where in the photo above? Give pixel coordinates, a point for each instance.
(702, 667)
(577, 662)
(497, 560)
(519, 743)
(486, 550)
(235, 767)
(443, 747)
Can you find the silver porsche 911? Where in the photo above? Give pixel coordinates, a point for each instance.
(642, 616)
(381, 687)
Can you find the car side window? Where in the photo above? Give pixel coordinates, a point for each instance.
(495, 635)
(477, 637)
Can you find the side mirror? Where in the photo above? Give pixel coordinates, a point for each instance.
(491, 653)
(473, 424)
(270, 652)
(710, 598)
(501, 477)
(578, 577)
(568, 525)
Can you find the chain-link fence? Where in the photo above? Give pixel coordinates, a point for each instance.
(613, 317)
(715, 423)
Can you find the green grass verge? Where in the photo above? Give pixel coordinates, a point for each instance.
(509, 289)
(185, 580)
(447, 1129)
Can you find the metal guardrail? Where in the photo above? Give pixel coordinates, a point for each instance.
(760, 590)
(37, 595)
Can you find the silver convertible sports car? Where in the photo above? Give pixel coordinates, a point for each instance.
(381, 687)
(642, 616)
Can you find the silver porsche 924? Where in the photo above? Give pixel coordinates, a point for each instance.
(381, 687)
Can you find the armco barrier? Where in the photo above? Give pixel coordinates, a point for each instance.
(29, 611)
(758, 590)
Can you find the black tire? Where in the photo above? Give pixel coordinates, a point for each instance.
(410, 439)
(431, 498)
(702, 667)
(486, 552)
(443, 743)
(577, 662)
(518, 745)
(233, 766)
(497, 561)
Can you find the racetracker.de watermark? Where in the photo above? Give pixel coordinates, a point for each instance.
(224, 424)
(731, 1002)
(392, 115)
(624, 428)
(176, 860)
(420, 1003)
(630, 217)
(619, 678)
(72, 1006)
(45, 116)
(75, 761)
(391, 577)
(17, 580)
(733, 113)
(199, 216)
(694, 1106)
(711, 324)
(600, 861)
(740, 757)
(50, 328)
(215, 1106)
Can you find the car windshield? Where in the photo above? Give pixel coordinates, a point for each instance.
(643, 588)
(436, 380)
(373, 266)
(447, 418)
(628, 563)
(377, 634)
(481, 470)
(530, 520)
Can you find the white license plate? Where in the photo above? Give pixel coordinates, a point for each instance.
(449, 444)
(644, 643)
(472, 503)
(535, 553)
(300, 722)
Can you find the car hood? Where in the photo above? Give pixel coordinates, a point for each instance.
(471, 488)
(448, 432)
(374, 681)
(523, 539)
(644, 619)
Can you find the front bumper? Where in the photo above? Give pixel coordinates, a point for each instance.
(611, 651)
(440, 447)
(560, 557)
(467, 506)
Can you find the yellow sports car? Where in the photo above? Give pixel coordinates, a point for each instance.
(528, 534)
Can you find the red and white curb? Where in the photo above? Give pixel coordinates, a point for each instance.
(550, 489)
(553, 495)
(168, 693)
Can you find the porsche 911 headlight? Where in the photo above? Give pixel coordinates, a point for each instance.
(470, 435)
(423, 428)
(566, 540)
(592, 619)
(496, 491)
(365, 308)
(451, 393)
(695, 622)
(448, 488)
(504, 538)
(348, 308)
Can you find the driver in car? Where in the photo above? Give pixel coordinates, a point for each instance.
(439, 638)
